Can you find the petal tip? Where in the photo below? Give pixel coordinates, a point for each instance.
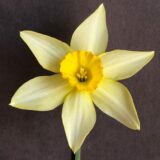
(24, 32)
(11, 104)
(21, 33)
(101, 8)
(101, 5)
(152, 53)
(137, 126)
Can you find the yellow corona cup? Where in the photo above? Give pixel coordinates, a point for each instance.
(85, 75)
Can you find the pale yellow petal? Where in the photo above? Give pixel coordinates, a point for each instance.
(122, 64)
(114, 99)
(92, 34)
(78, 117)
(48, 51)
(41, 93)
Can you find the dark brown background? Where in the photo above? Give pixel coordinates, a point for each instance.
(27, 135)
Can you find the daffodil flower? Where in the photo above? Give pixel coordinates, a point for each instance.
(85, 75)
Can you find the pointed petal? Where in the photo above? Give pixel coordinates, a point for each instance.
(41, 93)
(114, 99)
(92, 34)
(48, 51)
(78, 117)
(122, 64)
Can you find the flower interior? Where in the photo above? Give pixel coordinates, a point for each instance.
(82, 69)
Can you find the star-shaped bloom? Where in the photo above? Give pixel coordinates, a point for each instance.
(85, 75)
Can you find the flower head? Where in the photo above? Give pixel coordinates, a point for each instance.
(85, 75)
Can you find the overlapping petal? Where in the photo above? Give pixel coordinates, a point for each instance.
(92, 34)
(122, 64)
(78, 117)
(48, 51)
(41, 93)
(114, 99)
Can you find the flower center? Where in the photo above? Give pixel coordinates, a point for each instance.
(82, 75)
(82, 69)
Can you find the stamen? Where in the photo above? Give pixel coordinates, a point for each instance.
(82, 75)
